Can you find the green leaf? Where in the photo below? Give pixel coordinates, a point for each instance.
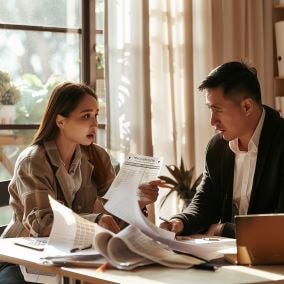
(175, 172)
(182, 168)
(180, 181)
(168, 180)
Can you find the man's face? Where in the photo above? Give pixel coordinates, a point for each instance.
(228, 117)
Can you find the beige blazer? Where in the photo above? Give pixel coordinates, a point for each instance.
(39, 172)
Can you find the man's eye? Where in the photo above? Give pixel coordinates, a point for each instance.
(214, 109)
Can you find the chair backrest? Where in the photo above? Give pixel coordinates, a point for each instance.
(4, 199)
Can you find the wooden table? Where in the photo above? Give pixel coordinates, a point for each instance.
(154, 274)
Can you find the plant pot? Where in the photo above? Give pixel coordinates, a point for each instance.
(7, 116)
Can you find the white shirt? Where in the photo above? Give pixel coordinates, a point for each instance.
(244, 169)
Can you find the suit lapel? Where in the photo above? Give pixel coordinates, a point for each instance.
(268, 129)
(227, 183)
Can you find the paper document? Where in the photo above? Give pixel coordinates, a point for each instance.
(123, 199)
(136, 169)
(124, 204)
(141, 244)
(128, 249)
(79, 235)
(206, 248)
(203, 248)
(31, 242)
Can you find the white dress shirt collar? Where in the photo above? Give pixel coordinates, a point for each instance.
(254, 141)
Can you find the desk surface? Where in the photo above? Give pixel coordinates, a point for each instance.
(147, 275)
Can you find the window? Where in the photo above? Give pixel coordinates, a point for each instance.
(42, 43)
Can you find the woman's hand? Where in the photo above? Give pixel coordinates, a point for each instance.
(174, 225)
(108, 222)
(148, 192)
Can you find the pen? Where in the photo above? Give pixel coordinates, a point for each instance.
(80, 248)
(206, 266)
(70, 257)
(183, 238)
(53, 257)
(164, 219)
(211, 239)
(103, 267)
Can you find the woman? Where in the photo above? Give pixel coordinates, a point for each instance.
(64, 162)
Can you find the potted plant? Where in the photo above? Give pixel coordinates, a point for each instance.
(9, 96)
(181, 182)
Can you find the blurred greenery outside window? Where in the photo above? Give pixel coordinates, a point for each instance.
(41, 45)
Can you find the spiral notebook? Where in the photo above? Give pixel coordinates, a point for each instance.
(260, 239)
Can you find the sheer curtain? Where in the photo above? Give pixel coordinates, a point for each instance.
(243, 30)
(171, 53)
(127, 75)
(158, 110)
(129, 117)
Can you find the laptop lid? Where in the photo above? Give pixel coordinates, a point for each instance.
(260, 239)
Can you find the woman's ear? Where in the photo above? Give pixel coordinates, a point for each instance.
(60, 121)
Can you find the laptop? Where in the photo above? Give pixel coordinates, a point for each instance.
(260, 239)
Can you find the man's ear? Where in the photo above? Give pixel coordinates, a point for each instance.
(60, 121)
(247, 106)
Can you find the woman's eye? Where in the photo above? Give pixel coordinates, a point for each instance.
(90, 116)
(86, 116)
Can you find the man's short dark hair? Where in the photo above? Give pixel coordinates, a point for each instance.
(237, 79)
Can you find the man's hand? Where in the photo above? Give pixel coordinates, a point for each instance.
(108, 222)
(174, 225)
(148, 192)
(215, 229)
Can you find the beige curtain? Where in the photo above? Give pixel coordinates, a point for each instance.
(187, 40)
(243, 30)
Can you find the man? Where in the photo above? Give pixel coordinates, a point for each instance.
(244, 167)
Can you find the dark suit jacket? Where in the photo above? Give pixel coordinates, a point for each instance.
(213, 200)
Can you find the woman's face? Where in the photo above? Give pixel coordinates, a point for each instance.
(81, 124)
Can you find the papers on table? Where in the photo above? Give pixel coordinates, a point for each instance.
(33, 243)
(80, 231)
(71, 239)
(123, 203)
